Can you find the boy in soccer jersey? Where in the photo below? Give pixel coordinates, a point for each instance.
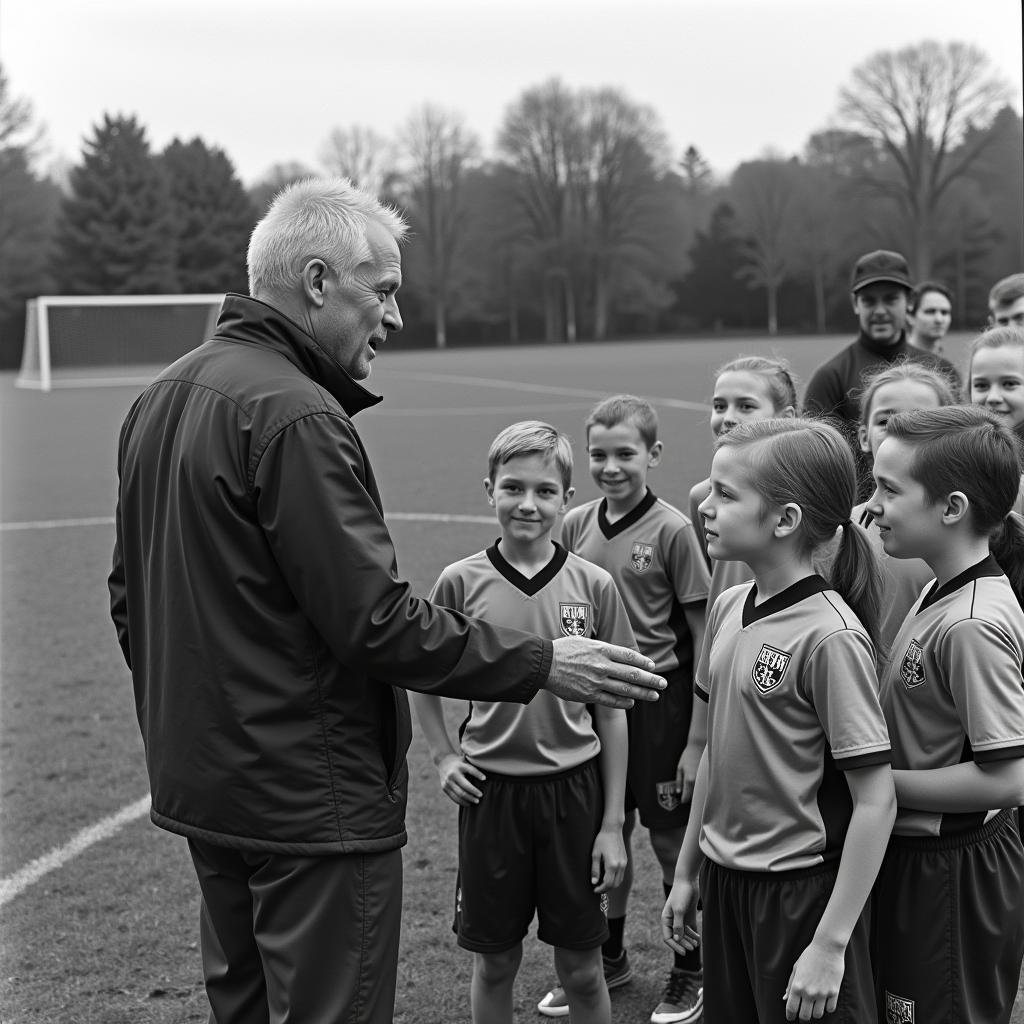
(540, 787)
(653, 553)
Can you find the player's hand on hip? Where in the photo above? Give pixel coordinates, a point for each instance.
(457, 776)
(593, 672)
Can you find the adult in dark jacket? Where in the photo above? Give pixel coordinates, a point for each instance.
(270, 639)
(880, 288)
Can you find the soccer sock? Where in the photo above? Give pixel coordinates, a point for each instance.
(613, 947)
(685, 961)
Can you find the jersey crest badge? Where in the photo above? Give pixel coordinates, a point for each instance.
(575, 619)
(898, 1010)
(641, 556)
(912, 669)
(668, 795)
(770, 668)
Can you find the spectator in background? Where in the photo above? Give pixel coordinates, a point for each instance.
(880, 289)
(1006, 302)
(929, 314)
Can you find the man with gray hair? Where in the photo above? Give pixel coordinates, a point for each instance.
(256, 599)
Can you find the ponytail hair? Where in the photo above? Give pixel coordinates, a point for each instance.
(809, 463)
(964, 448)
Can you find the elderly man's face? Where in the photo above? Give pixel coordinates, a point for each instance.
(357, 314)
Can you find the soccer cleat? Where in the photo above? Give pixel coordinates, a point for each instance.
(683, 998)
(617, 972)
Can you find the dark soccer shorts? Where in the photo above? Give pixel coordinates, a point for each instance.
(657, 738)
(527, 846)
(755, 926)
(948, 928)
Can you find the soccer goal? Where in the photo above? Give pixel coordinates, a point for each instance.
(105, 340)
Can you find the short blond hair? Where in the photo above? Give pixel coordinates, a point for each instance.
(531, 437)
(316, 217)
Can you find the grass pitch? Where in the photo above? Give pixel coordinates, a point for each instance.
(110, 936)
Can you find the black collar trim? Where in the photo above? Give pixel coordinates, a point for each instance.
(799, 591)
(988, 566)
(528, 585)
(634, 515)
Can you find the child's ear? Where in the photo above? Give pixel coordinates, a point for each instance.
(789, 519)
(489, 488)
(862, 438)
(654, 455)
(955, 508)
(569, 492)
(788, 413)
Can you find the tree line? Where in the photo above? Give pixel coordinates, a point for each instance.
(581, 225)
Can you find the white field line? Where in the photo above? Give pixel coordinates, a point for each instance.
(416, 517)
(32, 872)
(547, 389)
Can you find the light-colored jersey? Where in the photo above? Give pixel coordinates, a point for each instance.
(792, 704)
(952, 690)
(569, 597)
(654, 556)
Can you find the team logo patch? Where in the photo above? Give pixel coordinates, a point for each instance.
(668, 795)
(770, 668)
(912, 669)
(575, 619)
(641, 556)
(898, 1010)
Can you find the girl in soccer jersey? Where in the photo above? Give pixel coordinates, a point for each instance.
(995, 377)
(893, 389)
(949, 901)
(794, 797)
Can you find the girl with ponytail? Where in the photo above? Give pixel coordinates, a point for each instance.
(949, 907)
(794, 800)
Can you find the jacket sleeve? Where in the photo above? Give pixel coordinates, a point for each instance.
(824, 393)
(311, 487)
(116, 585)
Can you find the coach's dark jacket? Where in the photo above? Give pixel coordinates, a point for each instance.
(256, 599)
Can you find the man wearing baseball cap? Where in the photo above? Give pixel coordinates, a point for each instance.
(880, 287)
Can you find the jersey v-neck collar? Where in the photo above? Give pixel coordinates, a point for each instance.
(634, 515)
(533, 584)
(794, 594)
(988, 566)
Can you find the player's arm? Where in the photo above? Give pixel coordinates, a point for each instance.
(960, 788)
(679, 916)
(814, 982)
(689, 760)
(608, 858)
(455, 773)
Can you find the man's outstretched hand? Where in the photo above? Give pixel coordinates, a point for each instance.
(593, 672)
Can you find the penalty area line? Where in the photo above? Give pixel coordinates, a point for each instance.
(14, 885)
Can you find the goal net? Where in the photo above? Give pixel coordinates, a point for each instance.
(97, 340)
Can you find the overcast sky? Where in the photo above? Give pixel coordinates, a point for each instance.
(267, 81)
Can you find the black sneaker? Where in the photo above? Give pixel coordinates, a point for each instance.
(617, 972)
(683, 998)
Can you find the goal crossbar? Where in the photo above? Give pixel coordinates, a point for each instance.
(39, 355)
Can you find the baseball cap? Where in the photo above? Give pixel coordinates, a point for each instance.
(880, 265)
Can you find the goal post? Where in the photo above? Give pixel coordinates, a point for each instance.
(106, 340)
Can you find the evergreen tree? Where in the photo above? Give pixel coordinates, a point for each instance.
(116, 233)
(213, 217)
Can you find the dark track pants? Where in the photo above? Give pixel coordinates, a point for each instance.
(299, 940)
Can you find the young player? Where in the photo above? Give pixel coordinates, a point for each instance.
(995, 376)
(653, 554)
(899, 388)
(929, 314)
(540, 787)
(949, 902)
(1006, 302)
(747, 388)
(794, 796)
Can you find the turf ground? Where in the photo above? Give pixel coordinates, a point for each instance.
(98, 912)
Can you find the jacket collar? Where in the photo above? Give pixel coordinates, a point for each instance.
(254, 322)
(890, 353)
